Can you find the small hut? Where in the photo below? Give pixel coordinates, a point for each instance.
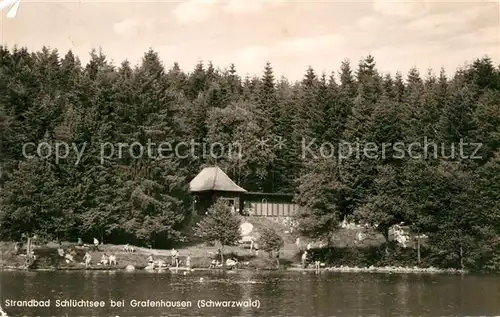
(211, 184)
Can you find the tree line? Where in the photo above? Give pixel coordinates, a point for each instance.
(46, 97)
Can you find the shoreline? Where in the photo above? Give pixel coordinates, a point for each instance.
(51, 260)
(387, 270)
(341, 269)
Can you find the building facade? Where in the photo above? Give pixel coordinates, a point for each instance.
(269, 205)
(212, 184)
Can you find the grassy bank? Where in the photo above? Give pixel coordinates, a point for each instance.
(47, 257)
(344, 252)
(346, 259)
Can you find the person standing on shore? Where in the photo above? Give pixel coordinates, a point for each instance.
(87, 258)
(174, 254)
(304, 259)
(188, 261)
(112, 260)
(96, 244)
(177, 260)
(316, 265)
(219, 255)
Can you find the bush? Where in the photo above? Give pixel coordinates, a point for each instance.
(270, 241)
(372, 255)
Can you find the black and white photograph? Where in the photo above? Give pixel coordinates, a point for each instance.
(249, 158)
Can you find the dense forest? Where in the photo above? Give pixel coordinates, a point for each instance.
(44, 97)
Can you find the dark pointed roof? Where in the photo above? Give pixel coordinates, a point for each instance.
(213, 178)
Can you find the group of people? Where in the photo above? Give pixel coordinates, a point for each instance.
(68, 257)
(105, 259)
(128, 248)
(175, 260)
(307, 254)
(217, 262)
(111, 259)
(230, 264)
(108, 260)
(305, 261)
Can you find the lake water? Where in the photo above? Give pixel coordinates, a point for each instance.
(271, 293)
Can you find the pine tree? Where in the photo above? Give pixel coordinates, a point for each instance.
(483, 74)
(307, 123)
(234, 83)
(176, 77)
(197, 82)
(323, 195)
(31, 200)
(347, 81)
(238, 128)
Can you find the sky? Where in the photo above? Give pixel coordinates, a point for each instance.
(292, 35)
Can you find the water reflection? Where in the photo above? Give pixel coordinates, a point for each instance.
(280, 294)
(401, 288)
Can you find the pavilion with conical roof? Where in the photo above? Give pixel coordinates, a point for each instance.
(213, 179)
(209, 185)
(212, 183)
